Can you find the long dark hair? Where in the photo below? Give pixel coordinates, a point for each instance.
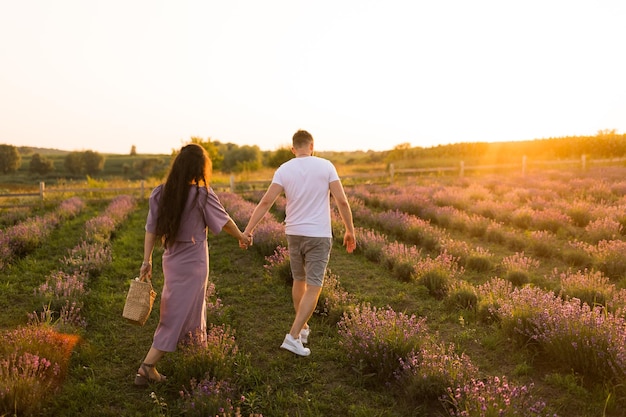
(191, 167)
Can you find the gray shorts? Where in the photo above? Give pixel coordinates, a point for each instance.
(309, 257)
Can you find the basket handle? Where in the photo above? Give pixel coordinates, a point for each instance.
(144, 278)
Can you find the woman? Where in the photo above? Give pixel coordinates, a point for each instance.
(180, 212)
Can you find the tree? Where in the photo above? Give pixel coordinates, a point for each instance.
(606, 132)
(40, 165)
(74, 163)
(88, 162)
(399, 152)
(147, 166)
(212, 149)
(10, 159)
(94, 162)
(278, 157)
(244, 158)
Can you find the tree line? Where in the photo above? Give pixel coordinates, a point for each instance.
(76, 163)
(605, 144)
(226, 157)
(231, 158)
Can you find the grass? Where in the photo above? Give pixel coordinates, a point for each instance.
(258, 309)
(20, 280)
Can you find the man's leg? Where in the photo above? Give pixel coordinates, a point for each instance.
(297, 292)
(309, 257)
(308, 296)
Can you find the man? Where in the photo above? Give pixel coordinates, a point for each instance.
(308, 182)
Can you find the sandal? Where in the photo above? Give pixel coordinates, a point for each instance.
(143, 376)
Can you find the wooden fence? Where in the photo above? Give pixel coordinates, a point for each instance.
(34, 198)
(391, 175)
(521, 167)
(29, 199)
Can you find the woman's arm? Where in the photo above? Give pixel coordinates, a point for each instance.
(231, 228)
(148, 246)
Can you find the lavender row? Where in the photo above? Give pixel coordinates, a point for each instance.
(18, 240)
(34, 358)
(587, 338)
(605, 252)
(563, 204)
(590, 290)
(580, 297)
(402, 352)
(66, 287)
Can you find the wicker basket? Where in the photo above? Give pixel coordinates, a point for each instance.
(139, 302)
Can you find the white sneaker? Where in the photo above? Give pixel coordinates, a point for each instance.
(295, 346)
(304, 335)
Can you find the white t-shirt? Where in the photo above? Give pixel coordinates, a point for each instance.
(306, 183)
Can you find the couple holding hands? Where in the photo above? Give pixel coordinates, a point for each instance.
(181, 210)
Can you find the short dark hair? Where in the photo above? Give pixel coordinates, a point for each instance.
(301, 138)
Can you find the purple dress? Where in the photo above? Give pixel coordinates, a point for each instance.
(186, 266)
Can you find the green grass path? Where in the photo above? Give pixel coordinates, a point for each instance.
(259, 310)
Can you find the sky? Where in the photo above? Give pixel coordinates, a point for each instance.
(105, 75)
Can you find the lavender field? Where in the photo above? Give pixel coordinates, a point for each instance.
(491, 295)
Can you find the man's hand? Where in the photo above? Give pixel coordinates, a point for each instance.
(349, 241)
(246, 241)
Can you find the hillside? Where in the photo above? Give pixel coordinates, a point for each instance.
(603, 146)
(607, 143)
(29, 150)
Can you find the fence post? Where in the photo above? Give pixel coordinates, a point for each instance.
(523, 165)
(462, 169)
(391, 171)
(142, 189)
(42, 189)
(232, 183)
(584, 161)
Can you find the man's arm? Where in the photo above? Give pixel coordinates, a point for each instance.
(267, 201)
(349, 239)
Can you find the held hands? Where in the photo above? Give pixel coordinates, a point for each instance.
(245, 241)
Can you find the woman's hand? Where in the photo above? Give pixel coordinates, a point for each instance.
(145, 272)
(245, 241)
